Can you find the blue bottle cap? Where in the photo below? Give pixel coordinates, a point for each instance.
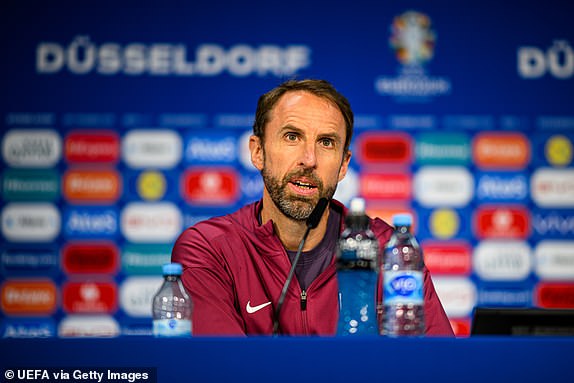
(172, 269)
(403, 219)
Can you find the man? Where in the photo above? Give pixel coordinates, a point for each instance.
(235, 266)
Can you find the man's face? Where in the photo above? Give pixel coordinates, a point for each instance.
(302, 158)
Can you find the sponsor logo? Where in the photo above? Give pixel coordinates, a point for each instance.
(41, 261)
(136, 295)
(28, 328)
(347, 189)
(97, 326)
(443, 149)
(30, 222)
(501, 150)
(89, 297)
(151, 148)
(102, 146)
(513, 297)
(497, 260)
(253, 309)
(557, 61)
(210, 186)
(90, 258)
(502, 222)
(558, 150)
(384, 148)
(444, 223)
(460, 327)
(553, 187)
(30, 185)
(32, 148)
(502, 187)
(151, 222)
(386, 185)
(457, 295)
(83, 56)
(449, 186)
(251, 186)
(90, 222)
(413, 42)
(554, 260)
(386, 213)
(448, 257)
(555, 295)
(212, 148)
(145, 258)
(151, 185)
(92, 186)
(553, 224)
(29, 297)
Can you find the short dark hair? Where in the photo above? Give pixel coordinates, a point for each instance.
(319, 88)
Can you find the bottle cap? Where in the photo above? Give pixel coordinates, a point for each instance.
(357, 206)
(403, 219)
(172, 269)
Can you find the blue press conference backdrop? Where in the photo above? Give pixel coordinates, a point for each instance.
(122, 124)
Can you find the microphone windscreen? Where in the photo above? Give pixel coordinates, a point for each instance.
(317, 213)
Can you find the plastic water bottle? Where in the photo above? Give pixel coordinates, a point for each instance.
(403, 295)
(172, 306)
(357, 266)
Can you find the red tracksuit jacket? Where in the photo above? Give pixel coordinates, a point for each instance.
(233, 267)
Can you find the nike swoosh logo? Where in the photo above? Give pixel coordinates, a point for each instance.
(251, 309)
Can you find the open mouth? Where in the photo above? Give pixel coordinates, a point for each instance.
(304, 185)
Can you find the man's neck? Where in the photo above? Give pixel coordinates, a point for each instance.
(290, 231)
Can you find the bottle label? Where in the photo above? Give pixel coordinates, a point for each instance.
(403, 287)
(172, 327)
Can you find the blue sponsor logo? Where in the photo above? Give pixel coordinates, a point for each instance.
(30, 261)
(552, 224)
(28, 328)
(502, 187)
(90, 222)
(213, 148)
(500, 296)
(251, 186)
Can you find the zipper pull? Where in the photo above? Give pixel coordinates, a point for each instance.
(303, 300)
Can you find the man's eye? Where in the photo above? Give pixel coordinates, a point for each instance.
(291, 137)
(327, 142)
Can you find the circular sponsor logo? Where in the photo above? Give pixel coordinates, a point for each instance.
(444, 223)
(151, 185)
(559, 150)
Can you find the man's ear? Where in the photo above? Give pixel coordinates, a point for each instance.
(256, 149)
(344, 165)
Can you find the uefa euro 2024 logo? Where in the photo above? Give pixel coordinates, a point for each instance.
(413, 42)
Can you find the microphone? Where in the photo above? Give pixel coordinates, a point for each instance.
(312, 222)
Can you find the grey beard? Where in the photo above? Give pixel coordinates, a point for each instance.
(295, 207)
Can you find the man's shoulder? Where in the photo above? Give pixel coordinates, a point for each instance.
(240, 220)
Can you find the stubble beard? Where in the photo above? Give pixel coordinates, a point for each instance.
(294, 206)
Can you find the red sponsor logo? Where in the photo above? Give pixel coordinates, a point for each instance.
(89, 297)
(555, 295)
(385, 148)
(210, 186)
(447, 257)
(501, 150)
(460, 327)
(386, 186)
(92, 146)
(90, 258)
(29, 297)
(502, 222)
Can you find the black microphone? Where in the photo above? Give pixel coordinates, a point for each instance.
(312, 222)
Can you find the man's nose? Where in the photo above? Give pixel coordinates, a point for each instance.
(308, 157)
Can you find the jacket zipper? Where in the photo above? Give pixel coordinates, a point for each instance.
(303, 300)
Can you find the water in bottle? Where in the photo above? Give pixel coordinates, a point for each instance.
(172, 305)
(357, 260)
(403, 295)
